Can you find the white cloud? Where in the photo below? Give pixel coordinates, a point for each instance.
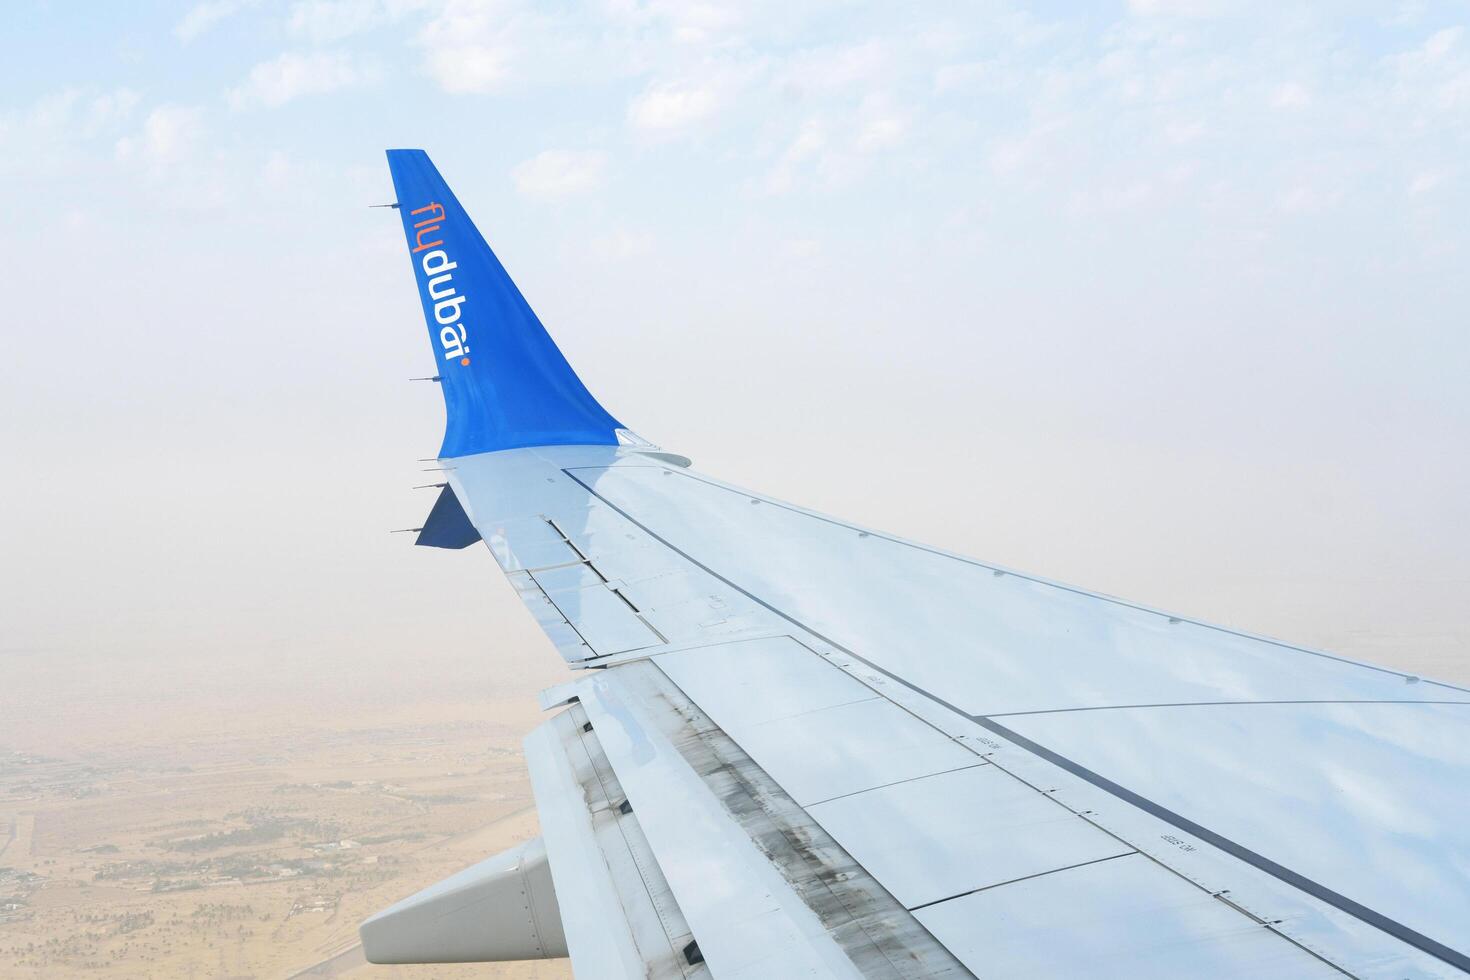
(800, 248)
(1435, 75)
(1111, 199)
(279, 172)
(882, 133)
(172, 149)
(687, 21)
(1291, 95)
(1424, 183)
(1436, 52)
(555, 174)
(623, 244)
(322, 21)
(469, 46)
(492, 46)
(828, 155)
(880, 127)
(169, 134)
(72, 112)
(1176, 8)
(293, 75)
(203, 17)
(111, 108)
(54, 111)
(985, 75)
(672, 105)
(1183, 132)
(69, 128)
(286, 177)
(809, 143)
(1041, 150)
(1309, 198)
(837, 67)
(1442, 42)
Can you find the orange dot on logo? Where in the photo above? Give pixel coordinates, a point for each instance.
(464, 361)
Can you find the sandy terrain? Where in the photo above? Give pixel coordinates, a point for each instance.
(169, 843)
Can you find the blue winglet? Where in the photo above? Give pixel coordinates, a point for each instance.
(506, 385)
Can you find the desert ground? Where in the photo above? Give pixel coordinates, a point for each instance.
(243, 835)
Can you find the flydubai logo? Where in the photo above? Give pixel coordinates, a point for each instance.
(439, 272)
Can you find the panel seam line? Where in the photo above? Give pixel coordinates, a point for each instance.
(897, 782)
(1211, 704)
(1012, 881)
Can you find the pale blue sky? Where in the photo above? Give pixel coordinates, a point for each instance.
(1166, 298)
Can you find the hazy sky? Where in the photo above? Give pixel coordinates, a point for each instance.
(1165, 298)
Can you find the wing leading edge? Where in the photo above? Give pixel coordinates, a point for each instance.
(862, 756)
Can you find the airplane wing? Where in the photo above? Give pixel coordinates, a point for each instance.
(803, 748)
